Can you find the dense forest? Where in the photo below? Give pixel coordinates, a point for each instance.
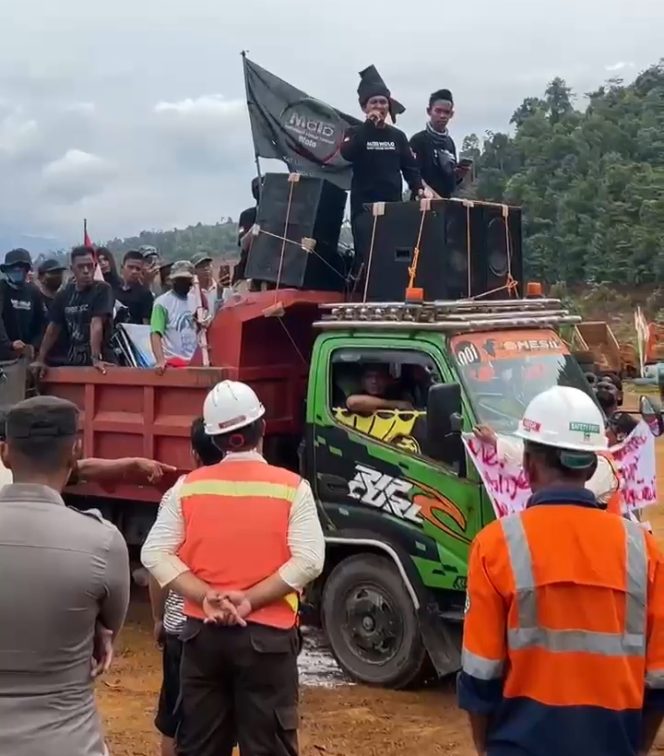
(591, 182)
(219, 240)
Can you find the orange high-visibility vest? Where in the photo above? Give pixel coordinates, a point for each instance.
(236, 531)
(561, 599)
(615, 501)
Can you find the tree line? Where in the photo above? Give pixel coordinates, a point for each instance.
(591, 181)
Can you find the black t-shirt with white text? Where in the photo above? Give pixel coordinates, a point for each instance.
(379, 157)
(22, 312)
(73, 311)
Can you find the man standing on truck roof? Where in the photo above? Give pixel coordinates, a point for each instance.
(64, 571)
(239, 542)
(563, 644)
(246, 223)
(378, 152)
(83, 311)
(435, 150)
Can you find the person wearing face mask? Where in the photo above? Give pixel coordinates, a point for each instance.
(174, 330)
(22, 311)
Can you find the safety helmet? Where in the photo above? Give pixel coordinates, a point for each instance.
(229, 406)
(564, 418)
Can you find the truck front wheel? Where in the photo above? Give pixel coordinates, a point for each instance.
(371, 624)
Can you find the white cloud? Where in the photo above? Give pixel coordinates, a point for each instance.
(213, 106)
(204, 134)
(76, 174)
(19, 135)
(621, 65)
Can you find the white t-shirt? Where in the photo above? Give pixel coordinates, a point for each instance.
(174, 318)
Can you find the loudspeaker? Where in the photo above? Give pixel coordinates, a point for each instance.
(466, 249)
(298, 207)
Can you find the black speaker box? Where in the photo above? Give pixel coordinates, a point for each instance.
(466, 250)
(307, 208)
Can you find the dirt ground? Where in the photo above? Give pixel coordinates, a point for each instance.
(335, 721)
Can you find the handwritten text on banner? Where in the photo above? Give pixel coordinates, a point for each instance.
(509, 491)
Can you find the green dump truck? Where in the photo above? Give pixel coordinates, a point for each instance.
(398, 499)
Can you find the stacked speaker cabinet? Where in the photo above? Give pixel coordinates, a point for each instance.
(466, 249)
(293, 208)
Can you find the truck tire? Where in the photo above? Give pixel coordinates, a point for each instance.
(371, 623)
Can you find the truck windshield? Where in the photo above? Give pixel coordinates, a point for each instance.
(503, 370)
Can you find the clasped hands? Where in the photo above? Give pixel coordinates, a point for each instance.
(228, 608)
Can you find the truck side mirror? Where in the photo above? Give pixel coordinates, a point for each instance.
(444, 425)
(651, 412)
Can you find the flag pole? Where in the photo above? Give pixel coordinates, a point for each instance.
(85, 230)
(257, 160)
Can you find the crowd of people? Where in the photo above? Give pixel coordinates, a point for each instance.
(54, 319)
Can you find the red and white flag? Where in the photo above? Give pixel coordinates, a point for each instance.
(87, 243)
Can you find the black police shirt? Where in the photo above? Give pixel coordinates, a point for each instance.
(138, 300)
(73, 311)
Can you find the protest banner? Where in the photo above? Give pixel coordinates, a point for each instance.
(507, 485)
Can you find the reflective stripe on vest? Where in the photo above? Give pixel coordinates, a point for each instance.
(481, 667)
(238, 488)
(632, 642)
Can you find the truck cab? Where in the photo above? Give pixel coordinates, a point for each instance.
(399, 501)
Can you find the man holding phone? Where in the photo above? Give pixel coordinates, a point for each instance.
(435, 150)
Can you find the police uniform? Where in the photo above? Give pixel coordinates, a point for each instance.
(62, 571)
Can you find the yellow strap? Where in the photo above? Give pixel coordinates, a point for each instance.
(292, 599)
(238, 488)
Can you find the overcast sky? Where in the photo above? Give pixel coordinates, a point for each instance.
(131, 112)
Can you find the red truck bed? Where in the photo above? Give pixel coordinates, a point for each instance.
(135, 412)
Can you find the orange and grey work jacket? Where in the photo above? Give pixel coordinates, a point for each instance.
(564, 632)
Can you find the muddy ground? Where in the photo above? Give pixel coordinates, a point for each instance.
(337, 719)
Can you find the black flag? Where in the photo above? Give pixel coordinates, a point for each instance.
(288, 125)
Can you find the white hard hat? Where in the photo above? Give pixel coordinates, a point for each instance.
(565, 418)
(229, 406)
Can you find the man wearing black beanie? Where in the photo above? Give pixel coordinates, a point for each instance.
(379, 152)
(435, 150)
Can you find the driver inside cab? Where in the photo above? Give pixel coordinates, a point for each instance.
(378, 391)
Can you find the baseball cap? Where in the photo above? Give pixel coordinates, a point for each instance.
(147, 250)
(50, 266)
(182, 269)
(17, 257)
(200, 258)
(42, 417)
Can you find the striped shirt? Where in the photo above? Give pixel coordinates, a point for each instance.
(174, 618)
